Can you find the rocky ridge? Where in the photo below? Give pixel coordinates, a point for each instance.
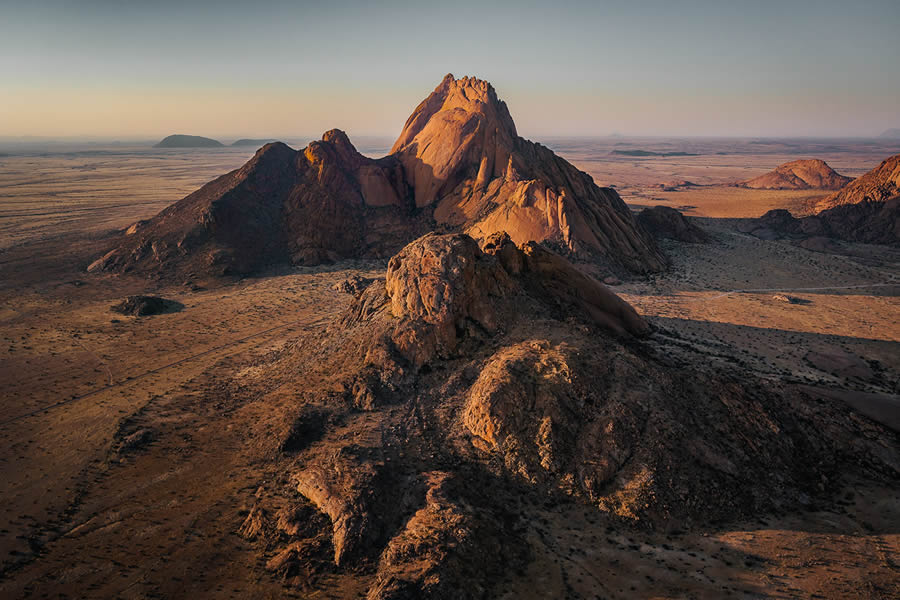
(881, 184)
(867, 211)
(458, 165)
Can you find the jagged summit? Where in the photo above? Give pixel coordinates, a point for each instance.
(474, 97)
(458, 165)
(799, 175)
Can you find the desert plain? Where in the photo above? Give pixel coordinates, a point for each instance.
(133, 449)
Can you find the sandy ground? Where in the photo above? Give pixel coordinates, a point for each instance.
(84, 515)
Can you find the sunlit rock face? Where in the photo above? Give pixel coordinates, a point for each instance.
(462, 155)
(799, 175)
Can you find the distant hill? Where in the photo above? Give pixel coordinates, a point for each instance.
(188, 141)
(867, 210)
(458, 164)
(799, 175)
(650, 153)
(892, 134)
(252, 142)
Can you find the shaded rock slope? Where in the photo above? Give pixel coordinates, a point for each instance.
(668, 223)
(458, 165)
(473, 382)
(799, 175)
(867, 211)
(878, 185)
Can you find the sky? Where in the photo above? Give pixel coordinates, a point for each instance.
(130, 69)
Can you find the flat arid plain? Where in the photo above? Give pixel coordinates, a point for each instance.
(136, 451)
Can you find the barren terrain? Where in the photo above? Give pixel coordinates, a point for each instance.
(133, 448)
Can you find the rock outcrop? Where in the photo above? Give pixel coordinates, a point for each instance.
(188, 141)
(142, 306)
(668, 223)
(462, 154)
(799, 175)
(458, 165)
(444, 288)
(865, 222)
(878, 185)
(867, 211)
(495, 378)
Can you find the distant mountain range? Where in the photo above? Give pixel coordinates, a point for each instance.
(253, 142)
(893, 134)
(196, 141)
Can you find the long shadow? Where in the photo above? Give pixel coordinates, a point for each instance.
(862, 372)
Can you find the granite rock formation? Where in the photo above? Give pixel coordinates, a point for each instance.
(470, 382)
(458, 165)
(799, 175)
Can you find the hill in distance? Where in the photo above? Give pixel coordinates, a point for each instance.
(867, 210)
(458, 165)
(188, 141)
(799, 175)
(891, 134)
(252, 142)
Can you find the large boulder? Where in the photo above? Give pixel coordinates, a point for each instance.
(444, 287)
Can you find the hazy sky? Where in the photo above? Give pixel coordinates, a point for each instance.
(224, 69)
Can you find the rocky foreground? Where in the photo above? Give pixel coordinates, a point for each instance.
(471, 380)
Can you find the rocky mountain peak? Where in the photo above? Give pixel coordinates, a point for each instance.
(458, 165)
(454, 99)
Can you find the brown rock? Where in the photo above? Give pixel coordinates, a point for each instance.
(799, 175)
(462, 154)
(442, 282)
(340, 489)
(440, 552)
(867, 222)
(443, 287)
